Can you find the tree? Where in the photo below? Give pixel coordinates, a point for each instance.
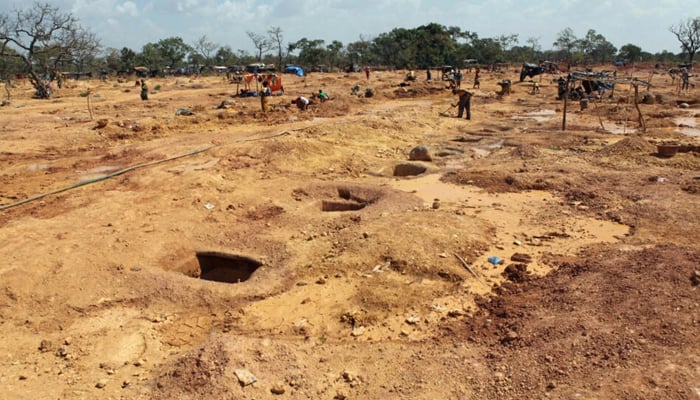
(688, 34)
(630, 52)
(333, 51)
(276, 39)
(204, 48)
(596, 48)
(41, 37)
(566, 41)
(225, 56)
(261, 43)
(173, 50)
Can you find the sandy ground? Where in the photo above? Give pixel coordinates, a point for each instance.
(232, 254)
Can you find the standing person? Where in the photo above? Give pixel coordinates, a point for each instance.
(458, 79)
(144, 90)
(685, 79)
(367, 71)
(427, 74)
(264, 94)
(464, 102)
(477, 75)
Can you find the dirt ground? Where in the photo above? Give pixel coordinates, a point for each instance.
(231, 254)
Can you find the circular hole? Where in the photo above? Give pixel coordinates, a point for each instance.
(227, 268)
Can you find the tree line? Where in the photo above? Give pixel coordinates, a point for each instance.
(42, 39)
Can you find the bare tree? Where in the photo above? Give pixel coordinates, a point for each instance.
(261, 43)
(688, 33)
(205, 48)
(41, 37)
(276, 39)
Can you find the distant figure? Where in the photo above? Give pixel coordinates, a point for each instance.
(144, 90)
(302, 102)
(264, 94)
(685, 79)
(411, 76)
(322, 96)
(477, 75)
(367, 71)
(458, 79)
(535, 87)
(427, 74)
(464, 102)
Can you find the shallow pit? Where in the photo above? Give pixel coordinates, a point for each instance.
(408, 169)
(224, 267)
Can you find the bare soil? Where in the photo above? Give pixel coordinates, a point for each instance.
(235, 254)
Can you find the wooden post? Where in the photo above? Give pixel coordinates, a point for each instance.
(636, 105)
(566, 101)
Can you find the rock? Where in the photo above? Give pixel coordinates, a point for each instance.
(101, 383)
(420, 153)
(348, 376)
(684, 105)
(412, 320)
(358, 331)
(695, 279)
(45, 346)
(63, 351)
(521, 258)
(517, 242)
(277, 389)
(244, 376)
(436, 204)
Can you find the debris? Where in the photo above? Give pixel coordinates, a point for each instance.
(183, 111)
(495, 260)
(209, 206)
(464, 263)
(101, 383)
(244, 376)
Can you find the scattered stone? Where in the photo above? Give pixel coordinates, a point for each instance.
(5, 103)
(101, 383)
(63, 351)
(517, 242)
(436, 204)
(456, 313)
(412, 320)
(45, 346)
(509, 337)
(139, 362)
(22, 377)
(321, 281)
(226, 104)
(521, 258)
(183, 111)
(358, 331)
(684, 105)
(277, 389)
(244, 376)
(695, 279)
(348, 376)
(125, 384)
(420, 153)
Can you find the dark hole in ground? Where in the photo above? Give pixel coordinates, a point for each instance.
(409, 169)
(351, 199)
(227, 268)
(331, 205)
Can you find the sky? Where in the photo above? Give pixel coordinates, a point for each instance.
(134, 23)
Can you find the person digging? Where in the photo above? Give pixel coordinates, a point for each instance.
(464, 102)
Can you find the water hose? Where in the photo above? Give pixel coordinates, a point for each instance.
(102, 178)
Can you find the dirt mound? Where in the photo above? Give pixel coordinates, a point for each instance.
(525, 152)
(631, 145)
(606, 335)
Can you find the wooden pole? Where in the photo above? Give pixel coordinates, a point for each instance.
(566, 101)
(636, 105)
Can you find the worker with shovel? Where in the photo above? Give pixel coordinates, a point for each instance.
(464, 102)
